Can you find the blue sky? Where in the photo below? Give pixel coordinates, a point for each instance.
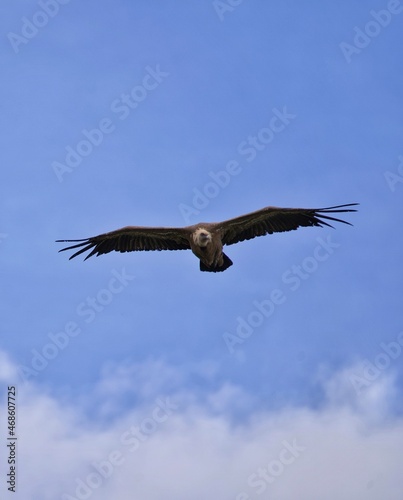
(128, 113)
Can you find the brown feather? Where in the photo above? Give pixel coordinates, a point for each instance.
(132, 239)
(275, 220)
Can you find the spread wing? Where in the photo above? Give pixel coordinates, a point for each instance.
(276, 220)
(131, 239)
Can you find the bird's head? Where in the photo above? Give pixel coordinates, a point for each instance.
(202, 237)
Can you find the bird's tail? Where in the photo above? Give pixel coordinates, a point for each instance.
(227, 262)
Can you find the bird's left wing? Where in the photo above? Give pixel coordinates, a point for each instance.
(275, 220)
(131, 239)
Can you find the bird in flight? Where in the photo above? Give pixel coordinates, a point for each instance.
(206, 239)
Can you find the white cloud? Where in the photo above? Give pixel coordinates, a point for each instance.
(180, 447)
(8, 370)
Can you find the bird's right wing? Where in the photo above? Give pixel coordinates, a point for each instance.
(132, 239)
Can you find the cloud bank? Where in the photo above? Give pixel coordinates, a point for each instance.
(139, 433)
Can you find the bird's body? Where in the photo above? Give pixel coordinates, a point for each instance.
(206, 239)
(206, 244)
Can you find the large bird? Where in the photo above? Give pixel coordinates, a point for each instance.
(206, 239)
